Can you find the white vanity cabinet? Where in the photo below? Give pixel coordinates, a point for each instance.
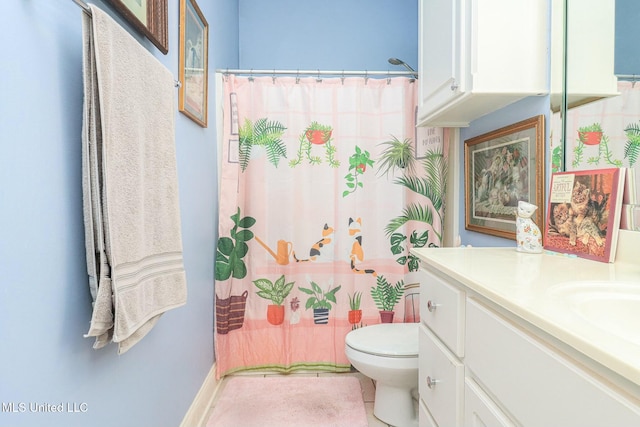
(481, 365)
(537, 383)
(441, 347)
(476, 56)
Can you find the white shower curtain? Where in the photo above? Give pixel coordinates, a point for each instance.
(325, 185)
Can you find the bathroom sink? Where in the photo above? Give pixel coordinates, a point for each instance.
(613, 307)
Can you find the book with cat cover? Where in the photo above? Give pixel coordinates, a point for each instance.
(583, 213)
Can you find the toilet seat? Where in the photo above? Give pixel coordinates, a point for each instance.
(385, 339)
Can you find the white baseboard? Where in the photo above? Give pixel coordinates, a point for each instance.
(196, 416)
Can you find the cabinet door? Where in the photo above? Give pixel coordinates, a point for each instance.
(538, 385)
(440, 35)
(424, 417)
(480, 410)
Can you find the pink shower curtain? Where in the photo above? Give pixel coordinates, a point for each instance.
(317, 214)
(601, 134)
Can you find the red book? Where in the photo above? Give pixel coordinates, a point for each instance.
(583, 213)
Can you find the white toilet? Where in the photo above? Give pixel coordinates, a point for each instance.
(388, 354)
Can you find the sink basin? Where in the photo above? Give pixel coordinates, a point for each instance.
(613, 307)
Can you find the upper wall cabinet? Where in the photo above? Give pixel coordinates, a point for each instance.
(590, 52)
(477, 56)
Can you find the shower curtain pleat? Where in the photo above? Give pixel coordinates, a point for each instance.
(306, 211)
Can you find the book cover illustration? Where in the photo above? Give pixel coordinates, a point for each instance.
(583, 213)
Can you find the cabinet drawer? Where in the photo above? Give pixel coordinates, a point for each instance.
(442, 309)
(539, 385)
(441, 380)
(480, 410)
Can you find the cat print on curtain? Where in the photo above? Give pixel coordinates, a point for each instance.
(322, 195)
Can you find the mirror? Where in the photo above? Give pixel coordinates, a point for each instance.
(599, 126)
(587, 29)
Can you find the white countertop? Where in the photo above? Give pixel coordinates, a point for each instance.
(523, 284)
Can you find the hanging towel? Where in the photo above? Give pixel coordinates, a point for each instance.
(130, 185)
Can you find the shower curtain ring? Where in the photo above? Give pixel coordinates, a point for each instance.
(342, 78)
(318, 79)
(366, 76)
(251, 75)
(273, 76)
(388, 77)
(298, 76)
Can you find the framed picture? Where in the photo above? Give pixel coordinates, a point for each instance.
(501, 168)
(194, 42)
(149, 17)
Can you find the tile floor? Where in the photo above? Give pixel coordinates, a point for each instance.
(368, 393)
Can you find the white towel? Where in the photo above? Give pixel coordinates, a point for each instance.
(130, 185)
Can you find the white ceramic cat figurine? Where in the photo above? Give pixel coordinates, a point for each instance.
(528, 236)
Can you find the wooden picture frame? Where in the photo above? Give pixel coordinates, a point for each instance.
(501, 168)
(149, 17)
(193, 68)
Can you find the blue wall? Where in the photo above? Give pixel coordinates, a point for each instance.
(45, 305)
(627, 57)
(328, 35)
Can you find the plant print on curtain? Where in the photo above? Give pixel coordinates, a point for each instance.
(316, 135)
(321, 198)
(601, 134)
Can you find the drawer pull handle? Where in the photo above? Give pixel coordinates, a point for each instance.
(431, 306)
(431, 382)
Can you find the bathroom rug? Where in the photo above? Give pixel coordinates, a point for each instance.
(283, 400)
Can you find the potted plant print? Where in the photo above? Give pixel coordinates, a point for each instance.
(358, 163)
(593, 135)
(590, 135)
(355, 314)
(264, 133)
(276, 292)
(229, 263)
(316, 135)
(397, 155)
(386, 296)
(320, 301)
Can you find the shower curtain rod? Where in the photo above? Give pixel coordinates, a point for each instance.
(337, 73)
(633, 77)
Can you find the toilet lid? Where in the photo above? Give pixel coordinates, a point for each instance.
(386, 339)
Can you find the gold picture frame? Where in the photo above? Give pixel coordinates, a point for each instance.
(501, 168)
(193, 69)
(149, 17)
